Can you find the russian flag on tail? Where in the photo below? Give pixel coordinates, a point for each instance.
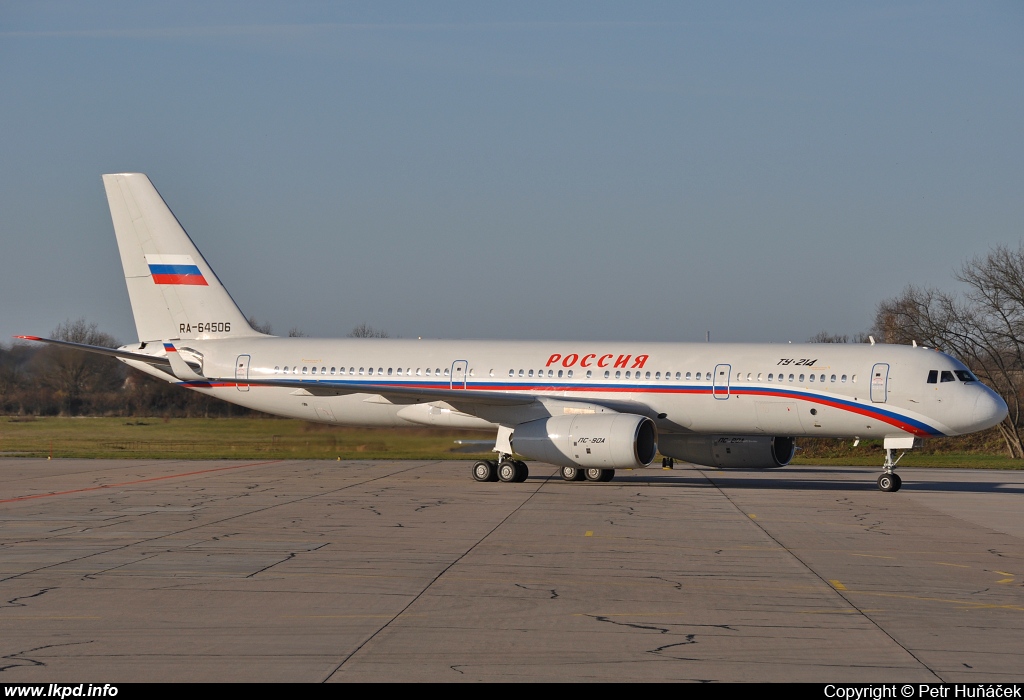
(175, 269)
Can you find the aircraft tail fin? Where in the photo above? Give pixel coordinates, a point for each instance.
(174, 293)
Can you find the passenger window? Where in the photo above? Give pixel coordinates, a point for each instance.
(791, 377)
(833, 379)
(647, 375)
(687, 376)
(520, 373)
(802, 377)
(843, 379)
(399, 371)
(277, 369)
(933, 376)
(446, 371)
(589, 374)
(370, 372)
(530, 373)
(389, 371)
(677, 376)
(758, 376)
(429, 373)
(380, 370)
(286, 369)
(657, 375)
(511, 373)
(618, 374)
(304, 370)
(627, 375)
(947, 376)
(559, 374)
(570, 374)
(771, 376)
(437, 372)
(607, 374)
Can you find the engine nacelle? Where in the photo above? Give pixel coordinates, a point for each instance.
(751, 451)
(606, 441)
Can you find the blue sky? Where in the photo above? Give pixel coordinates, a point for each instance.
(584, 170)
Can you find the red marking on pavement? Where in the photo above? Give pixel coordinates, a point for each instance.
(139, 481)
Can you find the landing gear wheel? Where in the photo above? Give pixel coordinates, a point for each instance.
(522, 472)
(572, 473)
(508, 471)
(607, 475)
(889, 482)
(593, 474)
(485, 470)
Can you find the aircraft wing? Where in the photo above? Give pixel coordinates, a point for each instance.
(398, 394)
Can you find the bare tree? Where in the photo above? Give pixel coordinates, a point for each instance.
(365, 330)
(296, 333)
(823, 337)
(73, 374)
(984, 327)
(260, 327)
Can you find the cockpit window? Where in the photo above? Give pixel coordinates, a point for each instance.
(965, 376)
(933, 376)
(948, 376)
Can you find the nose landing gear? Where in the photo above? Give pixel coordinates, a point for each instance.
(890, 481)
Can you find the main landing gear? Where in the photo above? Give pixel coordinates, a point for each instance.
(511, 471)
(514, 471)
(890, 481)
(577, 474)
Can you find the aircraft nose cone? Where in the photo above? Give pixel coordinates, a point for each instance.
(989, 410)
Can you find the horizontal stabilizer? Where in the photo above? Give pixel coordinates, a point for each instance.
(100, 350)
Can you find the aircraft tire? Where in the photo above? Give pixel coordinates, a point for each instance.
(522, 472)
(889, 483)
(508, 471)
(593, 474)
(571, 473)
(607, 474)
(485, 470)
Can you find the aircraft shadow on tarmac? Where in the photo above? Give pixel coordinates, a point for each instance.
(764, 480)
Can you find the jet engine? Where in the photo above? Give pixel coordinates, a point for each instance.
(753, 452)
(606, 441)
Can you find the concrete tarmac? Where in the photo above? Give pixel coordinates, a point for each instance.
(115, 571)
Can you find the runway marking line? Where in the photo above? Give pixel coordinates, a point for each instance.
(959, 566)
(837, 585)
(588, 533)
(133, 483)
(870, 556)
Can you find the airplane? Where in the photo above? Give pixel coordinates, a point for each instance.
(589, 408)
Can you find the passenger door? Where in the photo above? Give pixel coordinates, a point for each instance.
(880, 383)
(242, 372)
(720, 382)
(460, 370)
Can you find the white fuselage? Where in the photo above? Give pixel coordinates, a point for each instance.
(826, 390)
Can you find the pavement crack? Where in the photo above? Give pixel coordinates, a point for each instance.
(13, 602)
(291, 555)
(690, 639)
(552, 591)
(653, 628)
(18, 655)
